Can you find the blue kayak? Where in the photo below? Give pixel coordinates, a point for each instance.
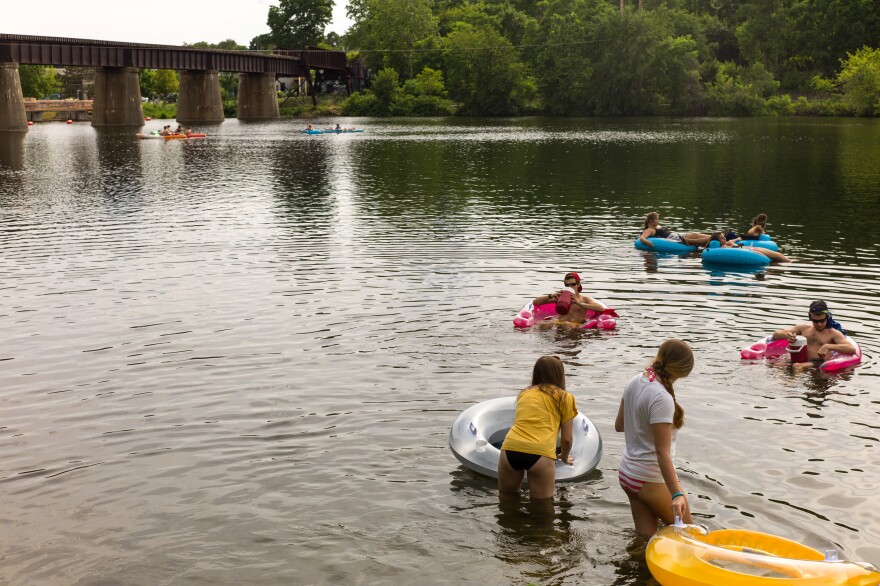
(313, 131)
(342, 130)
(664, 245)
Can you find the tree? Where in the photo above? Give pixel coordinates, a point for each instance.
(297, 23)
(167, 82)
(860, 78)
(392, 31)
(485, 74)
(38, 81)
(147, 79)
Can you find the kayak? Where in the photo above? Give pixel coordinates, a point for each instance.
(191, 135)
(151, 135)
(343, 130)
(313, 131)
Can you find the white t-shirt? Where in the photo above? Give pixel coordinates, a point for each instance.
(644, 403)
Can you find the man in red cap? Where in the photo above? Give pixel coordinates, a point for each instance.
(577, 313)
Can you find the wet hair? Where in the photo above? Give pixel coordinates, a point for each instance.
(548, 376)
(716, 236)
(760, 220)
(674, 360)
(650, 218)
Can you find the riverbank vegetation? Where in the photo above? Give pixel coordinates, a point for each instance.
(614, 57)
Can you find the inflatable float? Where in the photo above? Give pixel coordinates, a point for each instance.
(763, 241)
(532, 314)
(717, 254)
(770, 348)
(477, 434)
(664, 245)
(689, 555)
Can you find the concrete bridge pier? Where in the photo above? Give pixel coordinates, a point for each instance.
(198, 99)
(12, 114)
(117, 97)
(257, 99)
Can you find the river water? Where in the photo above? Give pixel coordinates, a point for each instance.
(236, 360)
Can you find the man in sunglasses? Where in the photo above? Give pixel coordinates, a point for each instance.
(823, 334)
(577, 314)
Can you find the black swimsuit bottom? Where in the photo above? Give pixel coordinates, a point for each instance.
(521, 460)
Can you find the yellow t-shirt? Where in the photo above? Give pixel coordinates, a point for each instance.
(536, 425)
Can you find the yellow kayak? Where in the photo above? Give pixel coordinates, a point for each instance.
(688, 555)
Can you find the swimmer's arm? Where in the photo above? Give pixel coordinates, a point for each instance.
(841, 345)
(618, 423)
(644, 237)
(591, 303)
(663, 445)
(549, 298)
(788, 333)
(566, 441)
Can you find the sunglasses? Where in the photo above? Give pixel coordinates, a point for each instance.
(572, 284)
(819, 321)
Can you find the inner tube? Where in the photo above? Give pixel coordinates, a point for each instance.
(531, 314)
(476, 436)
(769, 348)
(768, 244)
(717, 254)
(689, 555)
(664, 245)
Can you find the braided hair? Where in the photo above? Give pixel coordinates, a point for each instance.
(674, 360)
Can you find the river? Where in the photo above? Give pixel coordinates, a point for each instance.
(236, 360)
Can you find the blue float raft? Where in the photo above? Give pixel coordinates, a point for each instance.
(716, 254)
(664, 245)
(763, 241)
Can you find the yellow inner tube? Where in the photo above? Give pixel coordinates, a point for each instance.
(691, 557)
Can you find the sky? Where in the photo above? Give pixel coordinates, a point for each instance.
(163, 22)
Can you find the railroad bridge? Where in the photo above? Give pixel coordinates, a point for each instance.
(117, 95)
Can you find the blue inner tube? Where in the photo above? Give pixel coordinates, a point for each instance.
(716, 254)
(664, 245)
(763, 241)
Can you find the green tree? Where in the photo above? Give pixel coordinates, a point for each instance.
(485, 74)
(393, 31)
(860, 79)
(167, 81)
(147, 79)
(386, 87)
(38, 81)
(297, 23)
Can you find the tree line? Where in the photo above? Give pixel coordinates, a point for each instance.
(587, 57)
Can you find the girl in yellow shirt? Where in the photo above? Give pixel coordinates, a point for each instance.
(543, 410)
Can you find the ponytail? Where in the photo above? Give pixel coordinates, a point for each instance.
(650, 218)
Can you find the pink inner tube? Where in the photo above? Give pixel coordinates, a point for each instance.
(768, 348)
(532, 314)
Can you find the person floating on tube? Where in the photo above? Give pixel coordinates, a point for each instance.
(571, 304)
(816, 340)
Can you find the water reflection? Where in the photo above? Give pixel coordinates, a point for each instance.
(535, 535)
(12, 151)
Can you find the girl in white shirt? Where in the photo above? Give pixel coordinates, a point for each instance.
(650, 417)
